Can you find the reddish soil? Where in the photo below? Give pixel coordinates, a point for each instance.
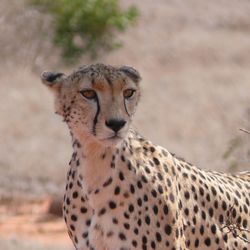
(28, 220)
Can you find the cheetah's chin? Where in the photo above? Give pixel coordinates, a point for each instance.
(112, 140)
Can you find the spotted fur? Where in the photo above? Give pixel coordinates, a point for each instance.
(123, 192)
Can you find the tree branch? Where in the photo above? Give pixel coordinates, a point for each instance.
(244, 130)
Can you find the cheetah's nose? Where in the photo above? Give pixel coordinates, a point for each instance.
(115, 124)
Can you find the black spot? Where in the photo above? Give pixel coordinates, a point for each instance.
(201, 190)
(134, 243)
(213, 229)
(102, 211)
(211, 212)
(147, 219)
(160, 189)
(112, 204)
(193, 177)
(144, 179)
(123, 158)
(187, 243)
(144, 240)
(244, 223)
(203, 215)
(154, 193)
(245, 209)
(117, 190)
(216, 204)
(160, 177)
(115, 221)
(139, 185)
(126, 215)
(88, 222)
(75, 239)
(168, 229)
(208, 197)
(180, 205)
(221, 219)
(110, 233)
(139, 222)
(186, 211)
(122, 236)
(196, 209)
(224, 205)
(139, 202)
(121, 176)
(73, 217)
(196, 243)
(201, 229)
(131, 208)
(214, 192)
(177, 233)
(132, 189)
(152, 149)
(187, 195)
(68, 201)
(165, 168)
(171, 197)
(156, 161)
(83, 210)
(155, 209)
(225, 238)
(165, 209)
(85, 235)
(234, 213)
(147, 170)
(158, 236)
(75, 195)
(108, 182)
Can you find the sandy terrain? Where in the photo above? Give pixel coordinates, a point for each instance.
(23, 225)
(194, 60)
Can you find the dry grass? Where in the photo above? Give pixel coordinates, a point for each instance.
(194, 59)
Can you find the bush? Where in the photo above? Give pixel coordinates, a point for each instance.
(86, 26)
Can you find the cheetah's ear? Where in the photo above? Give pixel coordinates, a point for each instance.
(53, 80)
(132, 73)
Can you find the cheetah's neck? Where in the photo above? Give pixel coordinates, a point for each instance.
(94, 162)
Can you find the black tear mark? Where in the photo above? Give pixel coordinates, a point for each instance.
(96, 116)
(124, 101)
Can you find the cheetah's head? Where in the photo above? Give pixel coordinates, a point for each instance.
(96, 101)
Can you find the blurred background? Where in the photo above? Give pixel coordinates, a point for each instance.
(194, 58)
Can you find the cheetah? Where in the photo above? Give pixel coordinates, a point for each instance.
(123, 192)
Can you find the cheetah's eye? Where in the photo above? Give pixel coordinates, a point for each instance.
(88, 93)
(128, 93)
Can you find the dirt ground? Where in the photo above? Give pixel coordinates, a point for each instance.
(194, 60)
(24, 224)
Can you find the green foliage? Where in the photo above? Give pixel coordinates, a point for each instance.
(86, 26)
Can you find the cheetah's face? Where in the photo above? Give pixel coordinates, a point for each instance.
(96, 100)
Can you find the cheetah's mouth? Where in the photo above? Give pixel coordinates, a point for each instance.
(114, 139)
